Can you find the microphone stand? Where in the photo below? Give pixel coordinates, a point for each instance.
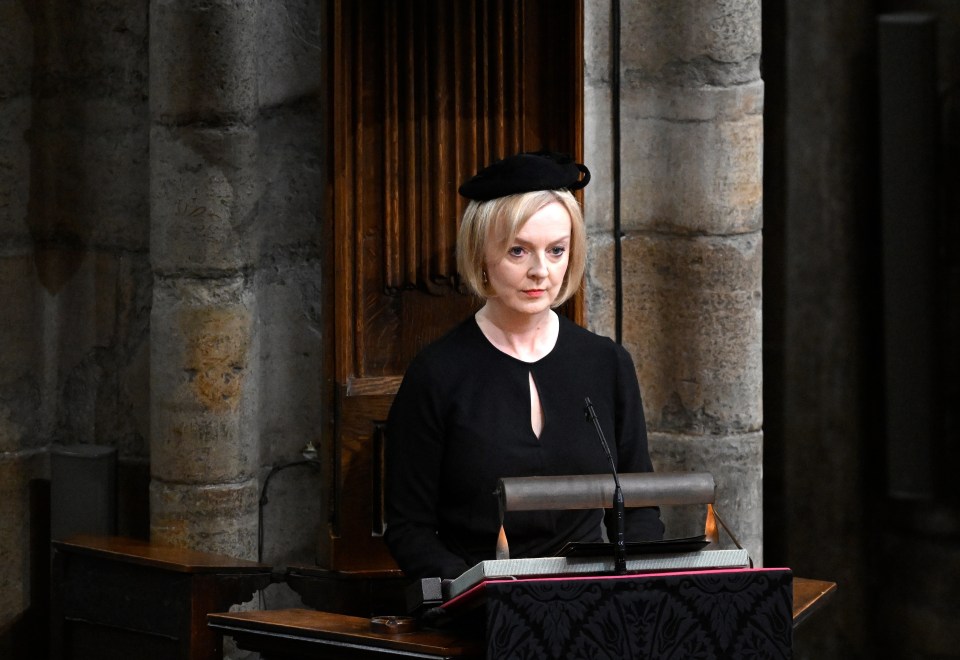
(620, 545)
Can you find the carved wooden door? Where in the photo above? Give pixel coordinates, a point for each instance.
(423, 93)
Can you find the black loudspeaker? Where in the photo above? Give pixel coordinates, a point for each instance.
(83, 491)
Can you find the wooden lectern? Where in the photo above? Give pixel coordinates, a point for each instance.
(719, 613)
(680, 602)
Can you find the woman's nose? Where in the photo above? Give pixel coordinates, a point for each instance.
(538, 266)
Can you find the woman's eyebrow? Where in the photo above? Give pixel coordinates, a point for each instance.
(518, 240)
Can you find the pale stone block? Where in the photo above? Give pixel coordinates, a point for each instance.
(692, 321)
(198, 447)
(288, 70)
(690, 42)
(698, 103)
(693, 177)
(221, 519)
(736, 463)
(290, 161)
(596, 43)
(204, 388)
(601, 285)
(204, 195)
(291, 358)
(203, 60)
(598, 156)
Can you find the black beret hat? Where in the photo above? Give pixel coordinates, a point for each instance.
(526, 172)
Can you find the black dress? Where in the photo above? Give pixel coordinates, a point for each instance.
(460, 422)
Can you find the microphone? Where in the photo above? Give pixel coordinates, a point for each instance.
(620, 545)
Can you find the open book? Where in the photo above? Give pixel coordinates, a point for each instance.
(589, 561)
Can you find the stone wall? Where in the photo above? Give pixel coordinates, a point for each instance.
(236, 191)
(75, 283)
(691, 139)
(19, 389)
(160, 214)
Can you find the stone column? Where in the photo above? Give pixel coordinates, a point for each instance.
(22, 440)
(22, 454)
(204, 339)
(691, 107)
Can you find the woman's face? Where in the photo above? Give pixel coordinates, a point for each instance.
(527, 277)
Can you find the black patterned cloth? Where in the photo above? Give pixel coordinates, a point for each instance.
(715, 614)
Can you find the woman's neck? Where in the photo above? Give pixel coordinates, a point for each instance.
(523, 336)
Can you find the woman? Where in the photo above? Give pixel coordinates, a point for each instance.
(502, 394)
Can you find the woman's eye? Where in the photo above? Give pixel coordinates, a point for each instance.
(515, 251)
(558, 250)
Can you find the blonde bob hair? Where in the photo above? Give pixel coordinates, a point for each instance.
(497, 222)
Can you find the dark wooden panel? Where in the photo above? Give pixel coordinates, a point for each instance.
(415, 112)
(423, 93)
(89, 641)
(123, 598)
(297, 633)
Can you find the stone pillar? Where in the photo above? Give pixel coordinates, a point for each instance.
(691, 105)
(21, 451)
(204, 339)
(22, 455)
(73, 276)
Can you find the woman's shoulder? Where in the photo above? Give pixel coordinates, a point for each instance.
(599, 352)
(455, 347)
(579, 338)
